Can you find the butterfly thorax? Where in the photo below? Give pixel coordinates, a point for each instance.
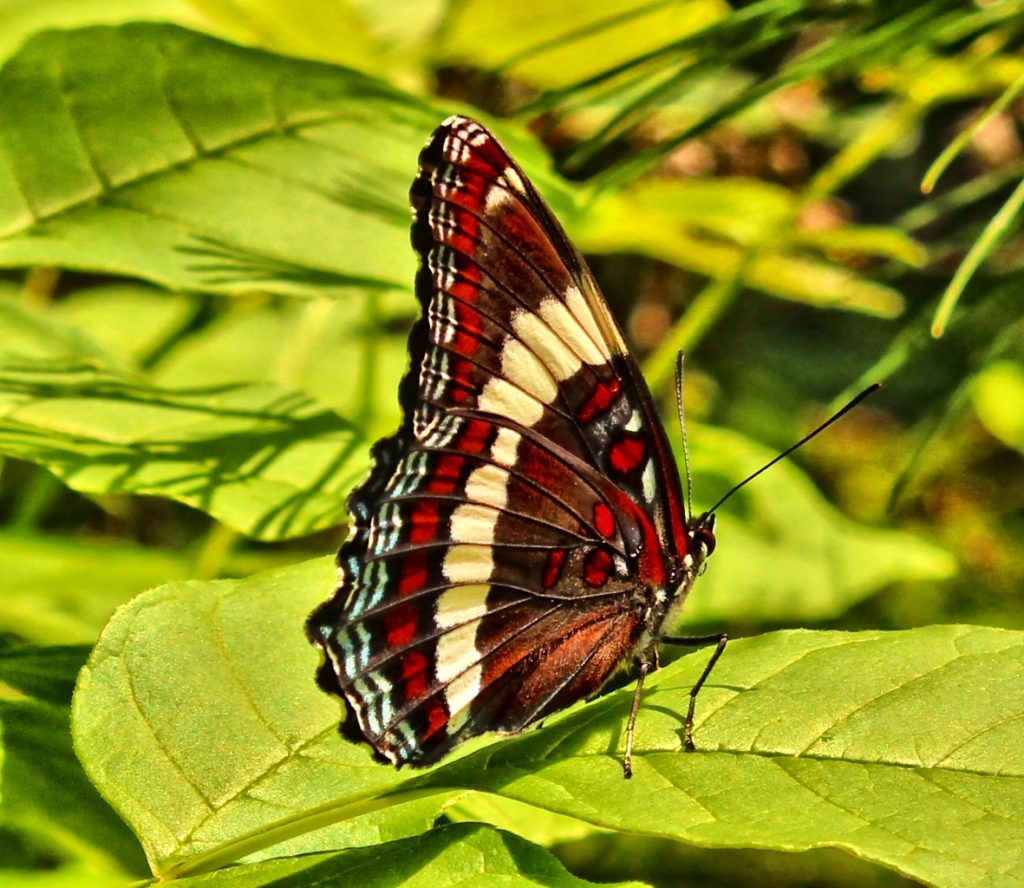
(662, 603)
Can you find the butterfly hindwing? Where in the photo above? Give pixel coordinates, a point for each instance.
(523, 531)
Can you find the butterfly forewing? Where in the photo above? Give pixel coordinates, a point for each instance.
(523, 531)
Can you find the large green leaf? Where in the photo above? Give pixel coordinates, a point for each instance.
(150, 151)
(906, 748)
(265, 460)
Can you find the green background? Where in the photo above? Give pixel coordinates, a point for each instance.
(205, 289)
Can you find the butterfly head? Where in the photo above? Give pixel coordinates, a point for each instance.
(701, 534)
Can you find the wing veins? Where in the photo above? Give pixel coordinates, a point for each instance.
(526, 479)
(584, 661)
(440, 588)
(536, 206)
(440, 687)
(502, 510)
(591, 368)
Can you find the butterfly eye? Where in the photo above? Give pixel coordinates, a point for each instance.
(705, 538)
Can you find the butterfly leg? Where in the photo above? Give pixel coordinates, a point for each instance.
(627, 758)
(720, 642)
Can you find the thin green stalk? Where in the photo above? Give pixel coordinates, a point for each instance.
(938, 167)
(997, 226)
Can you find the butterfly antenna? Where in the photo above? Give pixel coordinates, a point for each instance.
(682, 429)
(870, 390)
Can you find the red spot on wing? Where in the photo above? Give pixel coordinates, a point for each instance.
(601, 398)
(475, 437)
(651, 564)
(414, 675)
(627, 454)
(604, 520)
(437, 718)
(414, 573)
(597, 568)
(553, 567)
(424, 520)
(468, 328)
(463, 236)
(400, 625)
(462, 379)
(446, 474)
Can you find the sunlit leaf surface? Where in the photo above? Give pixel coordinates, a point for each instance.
(223, 733)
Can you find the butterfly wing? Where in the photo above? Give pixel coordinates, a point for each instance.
(524, 530)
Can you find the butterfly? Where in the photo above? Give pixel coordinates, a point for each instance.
(524, 532)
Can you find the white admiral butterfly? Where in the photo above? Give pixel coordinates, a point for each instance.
(524, 531)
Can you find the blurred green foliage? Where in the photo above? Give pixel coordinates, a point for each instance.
(205, 288)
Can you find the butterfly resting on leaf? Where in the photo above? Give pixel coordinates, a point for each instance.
(524, 531)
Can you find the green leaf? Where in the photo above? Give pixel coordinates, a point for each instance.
(543, 827)
(784, 552)
(151, 151)
(46, 673)
(456, 855)
(905, 747)
(222, 730)
(45, 794)
(267, 461)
